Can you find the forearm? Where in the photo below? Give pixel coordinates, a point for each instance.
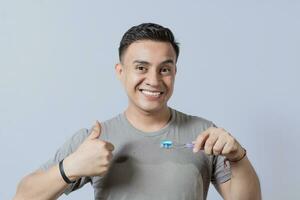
(41, 185)
(244, 181)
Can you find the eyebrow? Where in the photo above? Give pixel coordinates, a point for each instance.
(141, 62)
(169, 61)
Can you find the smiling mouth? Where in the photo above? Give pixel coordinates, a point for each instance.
(151, 93)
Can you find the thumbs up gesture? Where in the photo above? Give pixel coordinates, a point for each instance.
(92, 158)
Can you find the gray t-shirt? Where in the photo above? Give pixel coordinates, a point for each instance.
(142, 170)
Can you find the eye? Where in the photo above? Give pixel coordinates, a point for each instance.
(165, 70)
(140, 68)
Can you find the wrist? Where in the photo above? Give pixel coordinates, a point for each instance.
(69, 169)
(238, 158)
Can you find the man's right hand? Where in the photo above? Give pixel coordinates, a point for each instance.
(92, 158)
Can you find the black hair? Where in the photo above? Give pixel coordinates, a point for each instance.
(147, 31)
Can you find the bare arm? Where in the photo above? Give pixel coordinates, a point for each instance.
(41, 185)
(92, 158)
(244, 183)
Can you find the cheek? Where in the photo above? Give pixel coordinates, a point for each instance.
(169, 81)
(133, 81)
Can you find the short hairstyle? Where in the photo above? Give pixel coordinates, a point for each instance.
(147, 31)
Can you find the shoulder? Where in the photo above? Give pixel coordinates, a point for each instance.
(191, 120)
(77, 138)
(112, 125)
(114, 120)
(81, 134)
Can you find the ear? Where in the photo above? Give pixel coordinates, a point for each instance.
(119, 70)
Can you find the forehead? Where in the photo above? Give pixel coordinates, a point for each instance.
(150, 51)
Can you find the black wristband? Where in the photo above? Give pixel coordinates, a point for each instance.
(63, 174)
(239, 159)
(235, 160)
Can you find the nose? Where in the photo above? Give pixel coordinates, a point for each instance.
(153, 78)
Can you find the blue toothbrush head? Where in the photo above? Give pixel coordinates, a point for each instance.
(166, 144)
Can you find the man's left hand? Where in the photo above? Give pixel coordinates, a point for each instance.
(217, 141)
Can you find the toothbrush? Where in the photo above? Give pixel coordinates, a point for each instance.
(168, 144)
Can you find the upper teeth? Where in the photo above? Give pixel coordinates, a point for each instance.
(150, 93)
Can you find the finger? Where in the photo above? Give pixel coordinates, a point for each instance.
(200, 141)
(219, 145)
(228, 148)
(96, 132)
(110, 157)
(107, 156)
(209, 144)
(109, 146)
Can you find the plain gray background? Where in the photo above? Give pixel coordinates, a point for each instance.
(239, 67)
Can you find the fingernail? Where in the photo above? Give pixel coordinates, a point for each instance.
(195, 150)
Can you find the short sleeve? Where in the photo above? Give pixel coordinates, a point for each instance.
(66, 149)
(221, 172)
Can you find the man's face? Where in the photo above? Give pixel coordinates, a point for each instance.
(147, 72)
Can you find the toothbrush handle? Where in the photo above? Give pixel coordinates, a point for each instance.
(189, 145)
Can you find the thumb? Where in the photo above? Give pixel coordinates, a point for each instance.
(96, 132)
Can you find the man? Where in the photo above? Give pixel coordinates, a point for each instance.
(122, 158)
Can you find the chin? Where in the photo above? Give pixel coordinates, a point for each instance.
(152, 108)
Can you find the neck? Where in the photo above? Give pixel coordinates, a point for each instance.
(148, 121)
